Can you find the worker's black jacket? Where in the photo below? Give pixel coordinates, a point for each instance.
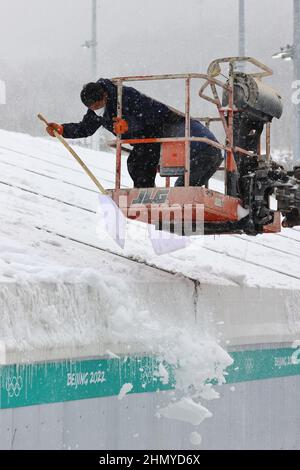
(145, 116)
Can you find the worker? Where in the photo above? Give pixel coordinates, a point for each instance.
(145, 118)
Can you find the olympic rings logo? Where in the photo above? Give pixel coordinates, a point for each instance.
(14, 386)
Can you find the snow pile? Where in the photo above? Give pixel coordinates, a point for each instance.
(195, 438)
(126, 388)
(186, 410)
(163, 374)
(195, 356)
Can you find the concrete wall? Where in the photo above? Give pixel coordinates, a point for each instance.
(262, 414)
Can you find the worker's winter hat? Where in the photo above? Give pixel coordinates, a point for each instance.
(91, 93)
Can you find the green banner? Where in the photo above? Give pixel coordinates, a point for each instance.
(263, 364)
(32, 384)
(50, 382)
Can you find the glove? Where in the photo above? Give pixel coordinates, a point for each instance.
(120, 125)
(53, 126)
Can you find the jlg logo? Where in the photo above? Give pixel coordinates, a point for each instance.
(149, 196)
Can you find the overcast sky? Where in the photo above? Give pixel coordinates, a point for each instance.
(40, 42)
(38, 28)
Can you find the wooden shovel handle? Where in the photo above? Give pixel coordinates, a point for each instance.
(74, 154)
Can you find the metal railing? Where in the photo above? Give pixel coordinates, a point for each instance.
(226, 114)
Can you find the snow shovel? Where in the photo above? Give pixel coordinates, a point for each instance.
(163, 242)
(113, 218)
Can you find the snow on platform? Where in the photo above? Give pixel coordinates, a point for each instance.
(67, 292)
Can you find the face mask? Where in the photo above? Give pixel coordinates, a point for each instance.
(100, 111)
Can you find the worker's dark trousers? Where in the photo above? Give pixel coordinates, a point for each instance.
(142, 164)
(203, 164)
(143, 161)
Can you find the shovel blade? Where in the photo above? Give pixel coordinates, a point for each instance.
(112, 219)
(164, 242)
